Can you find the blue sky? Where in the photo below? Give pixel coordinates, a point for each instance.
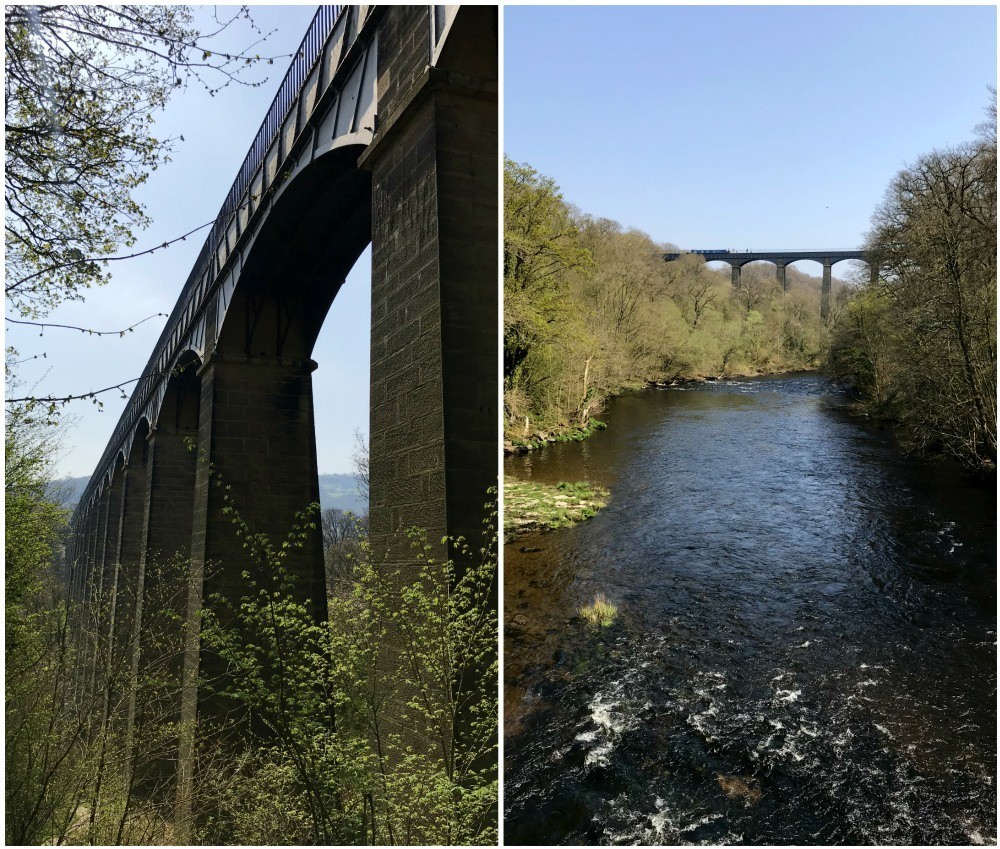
(186, 192)
(741, 126)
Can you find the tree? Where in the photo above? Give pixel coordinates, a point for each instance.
(756, 287)
(344, 537)
(861, 351)
(82, 86)
(75, 750)
(541, 243)
(923, 336)
(695, 286)
(360, 458)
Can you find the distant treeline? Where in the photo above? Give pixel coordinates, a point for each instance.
(591, 308)
(336, 491)
(919, 343)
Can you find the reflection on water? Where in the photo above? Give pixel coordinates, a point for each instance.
(806, 643)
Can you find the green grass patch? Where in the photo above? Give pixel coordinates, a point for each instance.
(600, 614)
(530, 506)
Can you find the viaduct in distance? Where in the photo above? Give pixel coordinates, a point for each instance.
(737, 259)
(383, 131)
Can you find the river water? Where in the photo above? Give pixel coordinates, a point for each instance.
(805, 650)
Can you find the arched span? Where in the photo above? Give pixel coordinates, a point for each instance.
(177, 407)
(738, 259)
(135, 446)
(117, 470)
(326, 101)
(293, 267)
(780, 259)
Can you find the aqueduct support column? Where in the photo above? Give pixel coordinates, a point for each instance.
(165, 543)
(97, 561)
(95, 593)
(256, 432)
(824, 307)
(107, 602)
(72, 546)
(89, 553)
(77, 592)
(169, 496)
(735, 271)
(779, 273)
(78, 582)
(90, 572)
(434, 164)
(126, 634)
(80, 561)
(88, 550)
(434, 270)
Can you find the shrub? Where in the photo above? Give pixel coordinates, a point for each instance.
(602, 613)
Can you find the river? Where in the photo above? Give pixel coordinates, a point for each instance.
(805, 650)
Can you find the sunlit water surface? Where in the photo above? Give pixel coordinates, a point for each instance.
(805, 650)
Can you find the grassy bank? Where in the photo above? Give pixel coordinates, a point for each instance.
(530, 506)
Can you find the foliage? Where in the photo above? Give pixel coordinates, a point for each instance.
(82, 84)
(541, 244)
(377, 725)
(529, 505)
(919, 343)
(344, 536)
(360, 461)
(33, 524)
(569, 434)
(591, 309)
(601, 614)
(38, 791)
(76, 751)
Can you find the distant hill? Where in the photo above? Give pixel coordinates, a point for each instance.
(67, 491)
(341, 491)
(334, 491)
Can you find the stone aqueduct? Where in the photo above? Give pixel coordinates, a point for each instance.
(737, 259)
(384, 131)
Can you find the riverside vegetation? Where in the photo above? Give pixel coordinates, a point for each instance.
(919, 344)
(323, 751)
(591, 309)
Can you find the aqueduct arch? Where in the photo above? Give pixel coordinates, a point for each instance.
(782, 258)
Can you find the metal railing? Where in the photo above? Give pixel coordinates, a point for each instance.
(309, 51)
